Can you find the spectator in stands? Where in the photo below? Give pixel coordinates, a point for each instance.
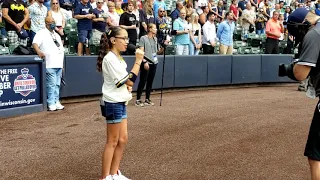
(84, 13)
(189, 8)
(200, 4)
(47, 43)
(129, 22)
(99, 22)
(16, 14)
(104, 5)
(288, 11)
(248, 18)
(176, 12)
(162, 27)
(288, 49)
(119, 10)
(234, 10)
(212, 5)
(159, 4)
(265, 4)
(276, 8)
(221, 11)
(225, 34)
(146, 17)
(282, 8)
(255, 4)
(195, 35)
(274, 29)
(38, 13)
(203, 16)
(137, 14)
(58, 17)
(114, 18)
(149, 44)
(241, 6)
(182, 38)
(281, 20)
(261, 22)
(209, 35)
(308, 5)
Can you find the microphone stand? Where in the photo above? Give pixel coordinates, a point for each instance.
(164, 62)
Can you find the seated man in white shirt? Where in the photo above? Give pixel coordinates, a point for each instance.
(47, 43)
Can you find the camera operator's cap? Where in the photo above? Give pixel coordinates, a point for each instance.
(22, 34)
(298, 15)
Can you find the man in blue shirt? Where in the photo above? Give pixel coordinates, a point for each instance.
(158, 4)
(176, 13)
(182, 38)
(84, 13)
(225, 34)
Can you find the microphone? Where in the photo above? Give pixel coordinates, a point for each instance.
(132, 48)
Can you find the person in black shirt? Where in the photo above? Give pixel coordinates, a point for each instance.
(15, 14)
(129, 21)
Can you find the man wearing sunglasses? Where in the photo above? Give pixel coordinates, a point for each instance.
(47, 43)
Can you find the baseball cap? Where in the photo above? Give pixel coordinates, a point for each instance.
(298, 15)
(22, 34)
(100, 1)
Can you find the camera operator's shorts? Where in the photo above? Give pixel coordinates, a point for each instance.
(115, 112)
(312, 150)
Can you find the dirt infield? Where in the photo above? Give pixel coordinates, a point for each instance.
(227, 134)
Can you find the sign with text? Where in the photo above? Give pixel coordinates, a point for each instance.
(19, 85)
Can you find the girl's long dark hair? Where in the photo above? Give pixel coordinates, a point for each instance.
(106, 45)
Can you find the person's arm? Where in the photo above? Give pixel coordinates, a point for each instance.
(254, 4)
(239, 7)
(176, 28)
(37, 41)
(202, 19)
(192, 37)
(199, 34)
(309, 56)
(219, 31)
(63, 21)
(26, 17)
(7, 17)
(265, 12)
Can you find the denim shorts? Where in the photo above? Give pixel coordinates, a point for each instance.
(83, 35)
(115, 112)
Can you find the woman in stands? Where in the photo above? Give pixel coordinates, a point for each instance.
(56, 13)
(116, 90)
(195, 35)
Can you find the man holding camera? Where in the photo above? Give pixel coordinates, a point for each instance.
(305, 27)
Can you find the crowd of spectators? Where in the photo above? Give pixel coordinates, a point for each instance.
(192, 27)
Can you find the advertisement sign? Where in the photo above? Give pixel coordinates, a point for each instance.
(19, 85)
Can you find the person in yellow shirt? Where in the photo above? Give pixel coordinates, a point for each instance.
(118, 8)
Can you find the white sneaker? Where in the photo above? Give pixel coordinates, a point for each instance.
(107, 178)
(119, 176)
(59, 106)
(52, 107)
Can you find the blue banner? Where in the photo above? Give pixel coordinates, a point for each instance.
(20, 85)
